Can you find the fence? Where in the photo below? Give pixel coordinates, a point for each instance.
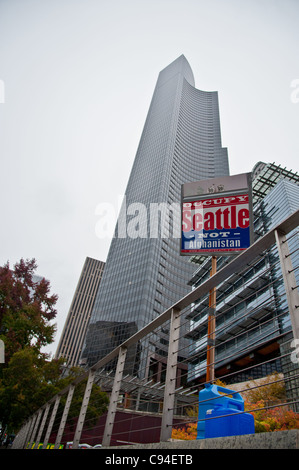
(153, 377)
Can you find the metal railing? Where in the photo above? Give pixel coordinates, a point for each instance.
(171, 352)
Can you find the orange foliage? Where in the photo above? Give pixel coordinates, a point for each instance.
(279, 418)
(187, 432)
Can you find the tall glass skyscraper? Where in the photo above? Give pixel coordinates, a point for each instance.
(144, 272)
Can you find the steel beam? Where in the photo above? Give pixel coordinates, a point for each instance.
(170, 381)
(33, 435)
(83, 410)
(64, 416)
(51, 422)
(289, 281)
(40, 431)
(114, 397)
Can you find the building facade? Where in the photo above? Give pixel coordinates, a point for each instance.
(253, 327)
(144, 273)
(74, 331)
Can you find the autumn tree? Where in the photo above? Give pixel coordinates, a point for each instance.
(28, 379)
(25, 386)
(260, 400)
(269, 389)
(26, 309)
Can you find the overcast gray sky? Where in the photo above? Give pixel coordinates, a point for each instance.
(79, 77)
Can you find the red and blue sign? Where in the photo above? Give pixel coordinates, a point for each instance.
(216, 225)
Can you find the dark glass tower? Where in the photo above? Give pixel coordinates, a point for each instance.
(144, 272)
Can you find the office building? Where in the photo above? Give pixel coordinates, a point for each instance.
(74, 331)
(144, 273)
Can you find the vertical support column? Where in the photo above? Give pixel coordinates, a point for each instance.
(64, 416)
(170, 382)
(138, 399)
(114, 397)
(20, 444)
(51, 422)
(83, 410)
(40, 431)
(28, 431)
(33, 435)
(289, 281)
(20, 439)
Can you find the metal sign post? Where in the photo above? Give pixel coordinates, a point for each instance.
(210, 374)
(217, 220)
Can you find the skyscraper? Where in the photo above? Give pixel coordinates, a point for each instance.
(73, 334)
(144, 273)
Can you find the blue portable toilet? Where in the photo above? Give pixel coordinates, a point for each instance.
(209, 398)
